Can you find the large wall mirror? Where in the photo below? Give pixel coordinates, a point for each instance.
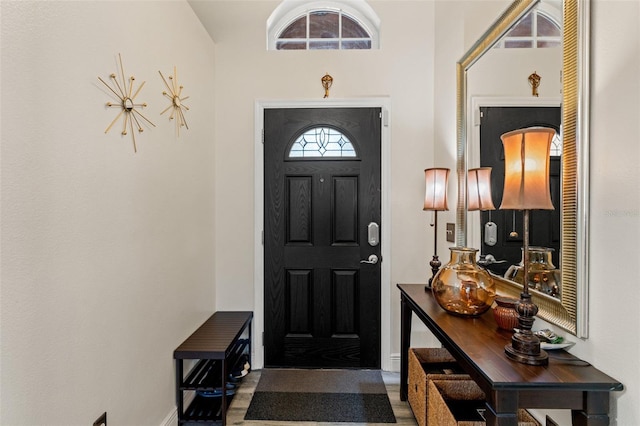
(568, 308)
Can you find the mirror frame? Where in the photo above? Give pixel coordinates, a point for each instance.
(570, 312)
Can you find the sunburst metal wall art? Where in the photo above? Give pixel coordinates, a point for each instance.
(129, 112)
(177, 105)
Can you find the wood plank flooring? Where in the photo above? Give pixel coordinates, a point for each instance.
(240, 403)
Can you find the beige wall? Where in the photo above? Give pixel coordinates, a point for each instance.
(109, 259)
(246, 72)
(106, 254)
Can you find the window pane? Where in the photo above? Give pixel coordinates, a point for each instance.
(298, 29)
(322, 29)
(320, 45)
(522, 28)
(323, 25)
(547, 27)
(510, 44)
(351, 29)
(548, 43)
(291, 45)
(356, 44)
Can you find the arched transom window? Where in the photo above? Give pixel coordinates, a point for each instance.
(322, 142)
(322, 25)
(535, 30)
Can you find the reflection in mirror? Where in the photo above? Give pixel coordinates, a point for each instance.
(540, 89)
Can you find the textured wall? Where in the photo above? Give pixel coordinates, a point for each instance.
(107, 255)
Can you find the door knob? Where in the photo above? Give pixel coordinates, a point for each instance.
(372, 260)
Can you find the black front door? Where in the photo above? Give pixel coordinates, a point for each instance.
(322, 198)
(544, 225)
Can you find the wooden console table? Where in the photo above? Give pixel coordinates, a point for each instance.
(478, 346)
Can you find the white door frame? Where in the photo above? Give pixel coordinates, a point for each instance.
(385, 225)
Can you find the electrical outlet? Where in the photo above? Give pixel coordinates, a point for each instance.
(102, 420)
(451, 232)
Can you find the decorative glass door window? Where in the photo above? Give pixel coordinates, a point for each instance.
(322, 142)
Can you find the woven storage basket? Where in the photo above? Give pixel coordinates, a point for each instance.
(443, 393)
(424, 364)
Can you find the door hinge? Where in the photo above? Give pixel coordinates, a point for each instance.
(262, 343)
(262, 237)
(262, 136)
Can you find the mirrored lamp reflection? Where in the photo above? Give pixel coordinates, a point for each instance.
(479, 198)
(479, 189)
(435, 199)
(526, 187)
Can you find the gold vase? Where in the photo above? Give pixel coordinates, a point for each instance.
(543, 275)
(462, 287)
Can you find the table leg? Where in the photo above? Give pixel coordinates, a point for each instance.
(405, 342)
(502, 408)
(595, 410)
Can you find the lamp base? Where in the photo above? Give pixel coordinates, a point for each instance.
(435, 267)
(525, 346)
(525, 351)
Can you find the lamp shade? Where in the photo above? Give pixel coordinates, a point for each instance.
(479, 189)
(435, 196)
(526, 169)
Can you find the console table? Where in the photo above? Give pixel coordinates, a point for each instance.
(478, 346)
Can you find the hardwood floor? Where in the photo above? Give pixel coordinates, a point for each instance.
(241, 400)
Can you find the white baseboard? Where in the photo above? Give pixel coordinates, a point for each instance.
(394, 361)
(172, 417)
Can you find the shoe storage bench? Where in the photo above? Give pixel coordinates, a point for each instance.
(222, 348)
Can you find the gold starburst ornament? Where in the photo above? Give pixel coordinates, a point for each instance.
(128, 108)
(177, 105)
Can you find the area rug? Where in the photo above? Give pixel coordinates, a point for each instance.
(357, 396)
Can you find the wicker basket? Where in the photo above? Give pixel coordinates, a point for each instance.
(459, 402)
(428, 364)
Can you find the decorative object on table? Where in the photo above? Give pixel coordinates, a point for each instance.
(505, 312)
(327, 81)
(435, 199)
(462, 287)
(526, 187)
(479, 198)
(543, 275)
(534, 82)
(177, 105)
(126, 102)
(551, 341)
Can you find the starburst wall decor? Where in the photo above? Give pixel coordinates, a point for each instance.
(177, 105)
(129, 109)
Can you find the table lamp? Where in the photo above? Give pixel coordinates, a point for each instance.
(479, 189)
(435, 199)
(479, 198)
(526, 187)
